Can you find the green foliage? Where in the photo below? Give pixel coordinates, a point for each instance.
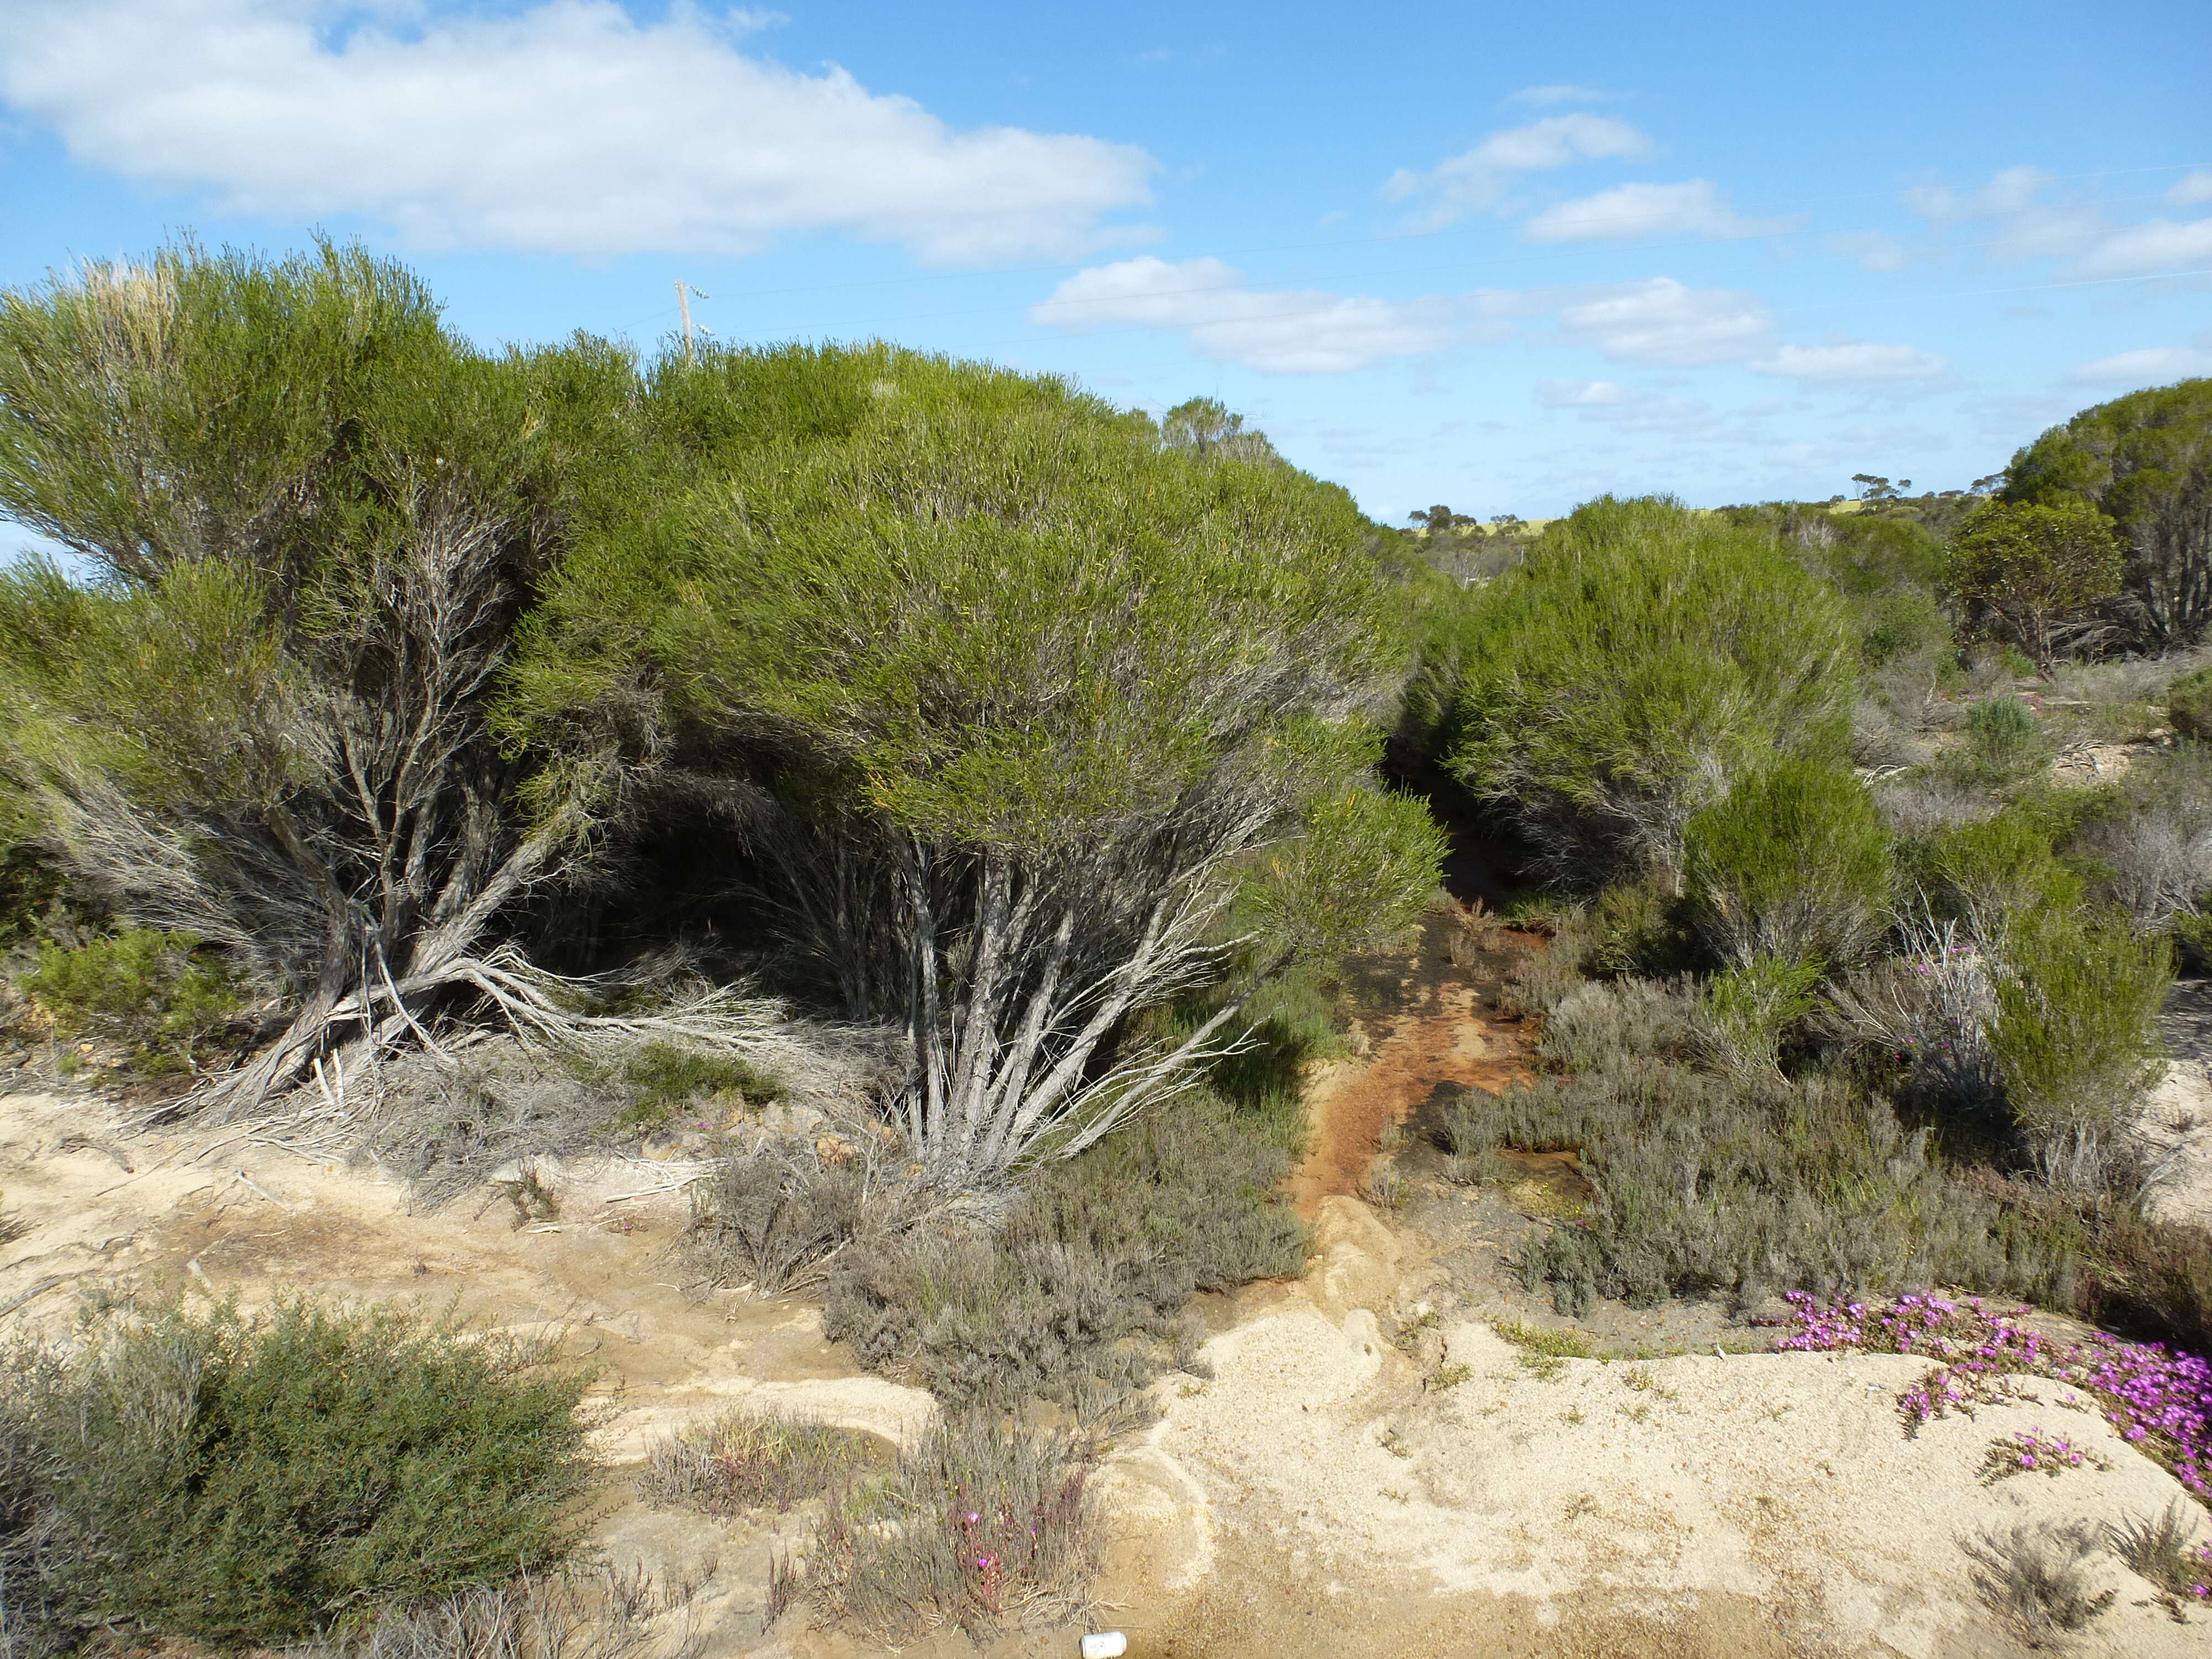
(910, 601)
(1013, 669)
(1206, 427)
(667, 1079)
(2004, 742)
(252, 1481)
(1982, 872)
(2144, 460)
(1752, 1006)
(34, 897)
(1073, 1294)
(153, 990)
(1900, 626)
(1361, 870)
(2036, 567)
(2075, 1034)
(1792, 864)
(1291, 1022)
(316, 512)
(1643, 658)
(2189, 703)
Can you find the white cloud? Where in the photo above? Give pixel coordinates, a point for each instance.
(569, 128)
(1480, 176)
(1280, 332)
(2153, 366)
(2013, 190)
(2029, 226)
(2161, 245)
(1698, 208)
(1659, 320)
(2196, 188)
(1558, 92)
(1578, 394)
(1829, 364)
(1608, 405)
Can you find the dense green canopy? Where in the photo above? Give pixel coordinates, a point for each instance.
(2146, 461)
(1030, 691)
(1643, 659)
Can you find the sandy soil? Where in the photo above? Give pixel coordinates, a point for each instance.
(1321, 1490)
(2180, 1113)
(1370, 1468)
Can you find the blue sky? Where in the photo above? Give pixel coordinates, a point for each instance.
(1502, 257)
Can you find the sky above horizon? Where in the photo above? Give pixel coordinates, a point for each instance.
(1505, 258)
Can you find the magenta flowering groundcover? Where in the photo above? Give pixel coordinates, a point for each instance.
(2161, 1401)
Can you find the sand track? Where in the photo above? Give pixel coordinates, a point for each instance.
(1319, 1494)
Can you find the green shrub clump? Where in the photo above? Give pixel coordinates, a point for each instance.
(1643, 659)
(2004, 742)
(1980, 873)
(156, 991)
(666, 1079)
(1792, 864)
(255, 1481)
(2189, 703)
(2076, 1037)
(1076, 1295)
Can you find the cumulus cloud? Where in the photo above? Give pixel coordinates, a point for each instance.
(1659, 320)
(1277, 332)
(566, 127)
(2161, 245)
(2153, 366)
(1480, 176)
(2196, 188)
(1831, 364)
(1698, 208)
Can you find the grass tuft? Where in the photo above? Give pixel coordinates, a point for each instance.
(749, 1460)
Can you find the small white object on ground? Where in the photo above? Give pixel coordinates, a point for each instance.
(1106, 1644)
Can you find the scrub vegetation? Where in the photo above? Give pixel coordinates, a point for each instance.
(946, 803)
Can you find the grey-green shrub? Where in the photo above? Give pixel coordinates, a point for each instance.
(2076, 1037)
(1075, 1295)
(1599, 1024)
(1643, 658)
(1712, 1186)
(1792, 864)
(984, 1523)
(248, 1481)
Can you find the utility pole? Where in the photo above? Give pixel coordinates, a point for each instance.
(684, 292)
